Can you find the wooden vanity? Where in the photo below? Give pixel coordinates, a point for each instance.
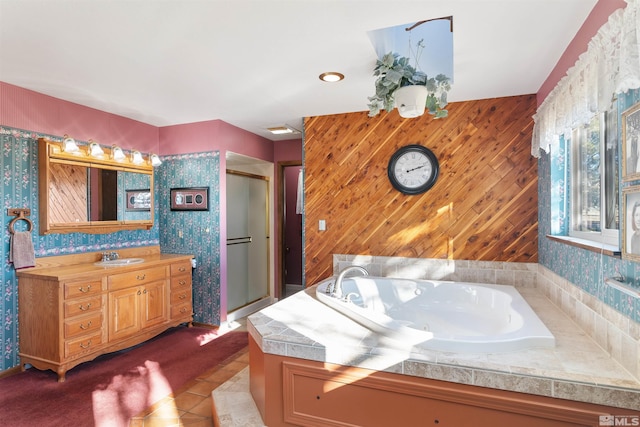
(71, 311)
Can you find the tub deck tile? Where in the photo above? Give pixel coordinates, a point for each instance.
(576, 369)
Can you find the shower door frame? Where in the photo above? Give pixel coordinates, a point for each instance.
(241, 311)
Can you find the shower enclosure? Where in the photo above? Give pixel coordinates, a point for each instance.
(247, 239)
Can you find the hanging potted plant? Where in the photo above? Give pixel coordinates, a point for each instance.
(400, 85)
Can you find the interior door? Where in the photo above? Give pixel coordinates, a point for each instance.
(292, 227)
(247, 239)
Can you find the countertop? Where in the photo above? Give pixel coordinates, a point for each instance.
(89, 270)
(576, 369)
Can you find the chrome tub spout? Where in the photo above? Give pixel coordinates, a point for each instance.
(336, 290)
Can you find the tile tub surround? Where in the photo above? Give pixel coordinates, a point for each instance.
(617, 334)
(518, 274)
(576, 369)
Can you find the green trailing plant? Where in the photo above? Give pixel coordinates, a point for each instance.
(393, 72)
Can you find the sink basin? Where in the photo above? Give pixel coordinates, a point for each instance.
(119, 262)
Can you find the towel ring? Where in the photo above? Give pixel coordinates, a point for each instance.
(20, 215)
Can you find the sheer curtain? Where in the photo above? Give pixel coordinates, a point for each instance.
(610, 65)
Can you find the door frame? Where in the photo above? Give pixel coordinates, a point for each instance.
(281, 291)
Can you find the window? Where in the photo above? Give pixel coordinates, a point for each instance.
(594, 180)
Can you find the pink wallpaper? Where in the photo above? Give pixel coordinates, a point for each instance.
(213, 135)
(287, 150)
(25, 109)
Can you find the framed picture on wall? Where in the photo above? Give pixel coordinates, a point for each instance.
(190, 199)
(138, 200)
(631, 223)
(631, 143)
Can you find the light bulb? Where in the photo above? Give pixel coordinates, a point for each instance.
(155, 160)
(136, 158)
(69, 145)
(117, 153)
(95, 150)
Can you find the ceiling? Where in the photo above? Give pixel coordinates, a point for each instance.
(255, 64)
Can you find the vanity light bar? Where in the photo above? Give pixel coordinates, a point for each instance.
(69, 149)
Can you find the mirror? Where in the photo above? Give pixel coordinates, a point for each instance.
(79, 193)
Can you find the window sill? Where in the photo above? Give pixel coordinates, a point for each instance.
(589, 245)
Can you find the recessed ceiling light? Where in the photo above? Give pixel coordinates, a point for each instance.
(331, 77)
(282, 130)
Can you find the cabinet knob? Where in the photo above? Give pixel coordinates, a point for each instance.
(84, 307)
(182, 282)
(84, 290)
(139, 277)
(182, 269)
(87, 345)
(182, 296)
(139, 293)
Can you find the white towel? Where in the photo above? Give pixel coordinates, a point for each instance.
(300, 194)
(21, 252)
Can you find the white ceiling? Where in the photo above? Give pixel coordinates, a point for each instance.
(255, 64)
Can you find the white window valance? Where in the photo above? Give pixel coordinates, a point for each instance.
(610, 65)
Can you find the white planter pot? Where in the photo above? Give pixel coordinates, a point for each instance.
(411, 100)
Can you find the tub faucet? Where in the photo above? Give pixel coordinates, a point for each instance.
(336, 291)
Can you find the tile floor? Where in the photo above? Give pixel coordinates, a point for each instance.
(192, 405)
(234, 404)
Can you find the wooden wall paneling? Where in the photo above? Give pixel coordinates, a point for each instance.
(483, 206)
(68, 192)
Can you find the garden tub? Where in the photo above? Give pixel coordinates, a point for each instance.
(441, 315)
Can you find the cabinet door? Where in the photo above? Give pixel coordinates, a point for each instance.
(124, 312)
(155, 304)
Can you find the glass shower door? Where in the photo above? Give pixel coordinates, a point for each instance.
(247, 239)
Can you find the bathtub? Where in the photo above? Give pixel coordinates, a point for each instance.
(441, 315)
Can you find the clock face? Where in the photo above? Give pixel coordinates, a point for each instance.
(413, 169)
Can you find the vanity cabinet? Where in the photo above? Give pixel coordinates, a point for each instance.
(137, 300)
(69, 314)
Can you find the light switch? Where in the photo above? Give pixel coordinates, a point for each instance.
(322, 225)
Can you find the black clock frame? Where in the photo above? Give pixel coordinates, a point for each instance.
(435, 169)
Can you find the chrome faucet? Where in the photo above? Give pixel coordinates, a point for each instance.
(336, 290)
(110, 256)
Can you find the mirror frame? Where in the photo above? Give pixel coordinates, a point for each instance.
(51, 152)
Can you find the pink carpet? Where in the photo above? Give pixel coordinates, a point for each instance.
(115, 387)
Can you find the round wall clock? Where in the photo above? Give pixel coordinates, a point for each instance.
(413, 169)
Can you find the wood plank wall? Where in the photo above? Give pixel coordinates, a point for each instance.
(484, 205)
(68, 193)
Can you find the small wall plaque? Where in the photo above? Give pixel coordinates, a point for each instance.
(190, 199)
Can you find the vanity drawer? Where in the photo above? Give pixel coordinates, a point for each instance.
(82, 345)
(182, 310)
(82, 306)
(84, 325)
(178, 297)
(135, 278)
(182, 267)
(180, 283)
(82, 288)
